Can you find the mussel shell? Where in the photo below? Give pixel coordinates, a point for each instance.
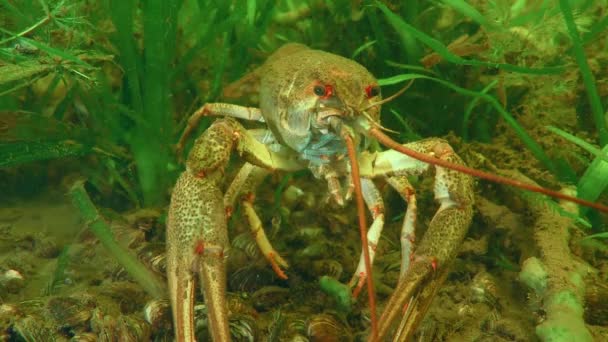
(484, 289)
(154, 257)
(69, 312)
(251, 278)
(132, 329)
(247, 244)
(240, 305)
(127, 235)
(328, 267)
(103, 325)
(243, 328)
(31, 328)
(269, 297)
(327, 328)
(157, 313)
(84, 337)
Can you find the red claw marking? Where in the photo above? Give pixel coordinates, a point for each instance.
(249, 197)
(279, 272)
(359, 287)
(377, 210)
(229, 211)
(405, 307)
(200, 247)
(200, 174)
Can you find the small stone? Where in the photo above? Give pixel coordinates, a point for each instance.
(12, 281)
(46, 248)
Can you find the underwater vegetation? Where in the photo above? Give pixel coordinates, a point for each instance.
(94, 96)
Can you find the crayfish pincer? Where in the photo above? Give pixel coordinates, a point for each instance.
(320, 110)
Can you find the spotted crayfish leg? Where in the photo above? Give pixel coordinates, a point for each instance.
(408, 229)
(244, 185)
(196, 225)
(375, 205)
(444, 235)
(216, 109)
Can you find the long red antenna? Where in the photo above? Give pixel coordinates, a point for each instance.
(354, 166)
(390, 143)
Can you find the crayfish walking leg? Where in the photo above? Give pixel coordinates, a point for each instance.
(439, 245)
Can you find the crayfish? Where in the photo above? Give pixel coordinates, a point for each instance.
(321, 111)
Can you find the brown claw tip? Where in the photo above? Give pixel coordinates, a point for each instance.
(358, 289)
(276, 268)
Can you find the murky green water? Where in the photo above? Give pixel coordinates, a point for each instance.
(100, 93)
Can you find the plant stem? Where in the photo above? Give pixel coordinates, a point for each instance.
(98, 226)
(27, 30)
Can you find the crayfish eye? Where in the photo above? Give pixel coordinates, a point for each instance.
(320, 90)
(372, 91)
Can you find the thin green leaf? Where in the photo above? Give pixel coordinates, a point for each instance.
(23, 71)
(467, 10)
(56, 52)
(469, 110)
(251, 8)
(417, 68)
(404, 28)
(580, 142)
(596, 236)
(362, 48)
(586, 74)
(594, 180)
(534, 147)
(122, 17)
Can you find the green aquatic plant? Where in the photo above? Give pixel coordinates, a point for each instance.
(523, 135)
(593, 182)
(603, 235)
(403, 27)
(589, 184)
(588, 79)
(338, 291)
(149, 85)
(146, 279)
(58, 275)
